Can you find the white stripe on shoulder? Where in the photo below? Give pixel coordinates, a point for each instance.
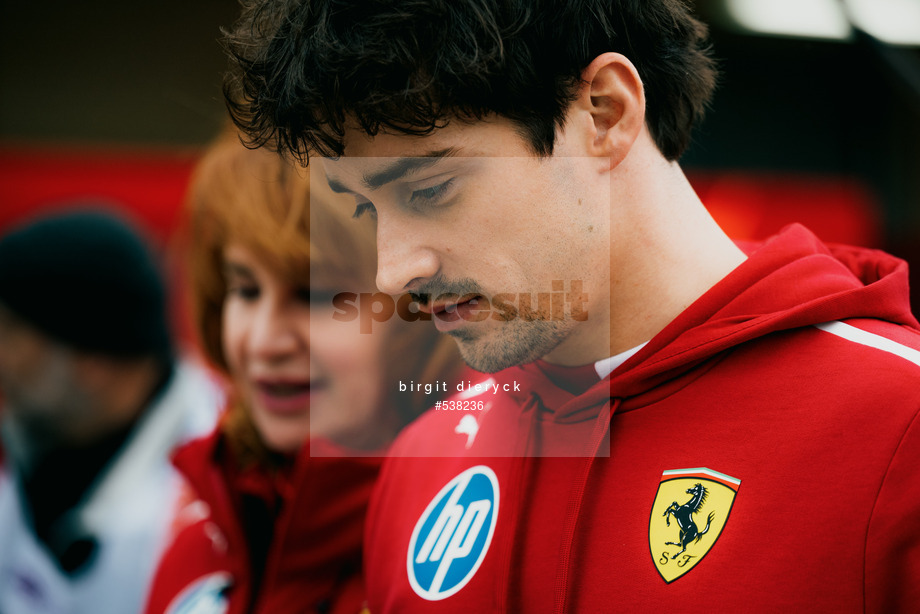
(857, 335)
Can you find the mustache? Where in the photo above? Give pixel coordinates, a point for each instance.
(439, 287)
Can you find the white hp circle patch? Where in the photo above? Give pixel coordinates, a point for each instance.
(451, 538)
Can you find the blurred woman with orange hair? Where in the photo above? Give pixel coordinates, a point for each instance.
(281, 487)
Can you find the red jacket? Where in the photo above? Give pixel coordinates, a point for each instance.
(313, 563)
(760, 454)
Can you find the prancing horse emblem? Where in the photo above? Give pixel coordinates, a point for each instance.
(683, 514)
(712, 495)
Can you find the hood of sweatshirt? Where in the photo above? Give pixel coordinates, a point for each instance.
(791, 280)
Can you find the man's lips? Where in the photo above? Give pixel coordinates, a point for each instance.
(451, 315)
(450, 307)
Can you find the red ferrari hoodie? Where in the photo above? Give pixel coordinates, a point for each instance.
(254, 542)
(760, 454)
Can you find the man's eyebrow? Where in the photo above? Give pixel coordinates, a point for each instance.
(336, 186)
(396, 170)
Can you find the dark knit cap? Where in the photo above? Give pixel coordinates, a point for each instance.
(86, 279)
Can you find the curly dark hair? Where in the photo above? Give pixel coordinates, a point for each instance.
(300, 68)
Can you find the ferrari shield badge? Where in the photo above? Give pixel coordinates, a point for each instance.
(688, 515)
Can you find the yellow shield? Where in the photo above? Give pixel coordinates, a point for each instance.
(688, 515)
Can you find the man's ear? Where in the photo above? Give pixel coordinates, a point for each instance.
(611, 104)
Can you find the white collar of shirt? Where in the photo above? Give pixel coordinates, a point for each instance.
(608, 365)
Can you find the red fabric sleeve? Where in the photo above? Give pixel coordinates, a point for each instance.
(893, 540)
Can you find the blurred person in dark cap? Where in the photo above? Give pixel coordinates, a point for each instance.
(94, 400)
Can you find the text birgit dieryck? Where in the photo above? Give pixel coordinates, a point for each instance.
(442, 387)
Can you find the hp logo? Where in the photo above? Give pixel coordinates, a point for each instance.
(453, 534)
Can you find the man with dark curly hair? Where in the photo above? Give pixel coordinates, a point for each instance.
(520, 158)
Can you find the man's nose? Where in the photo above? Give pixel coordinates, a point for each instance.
(404, 260)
